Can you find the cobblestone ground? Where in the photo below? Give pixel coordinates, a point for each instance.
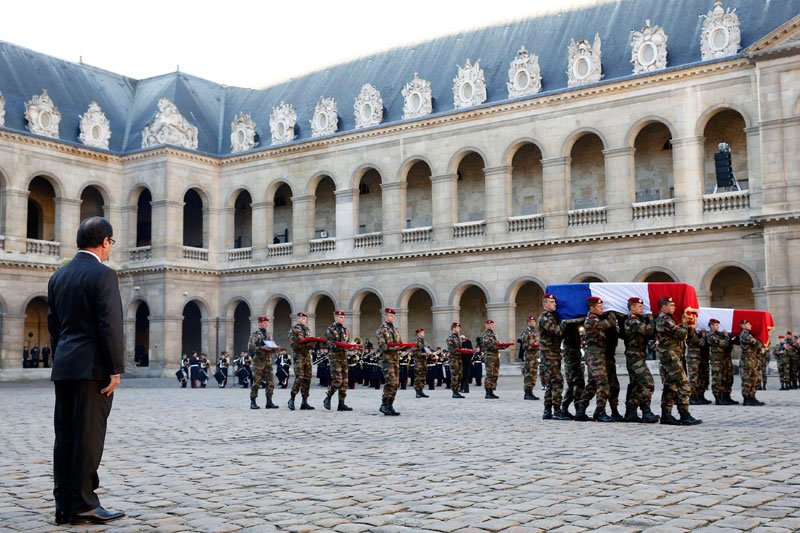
(200, 460)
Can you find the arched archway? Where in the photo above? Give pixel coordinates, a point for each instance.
(732, 288)
(282, 214)
(92, 203)
(144, 217)
(587, 172)
(588, 277)
(528, 302)
(654, 178)
(325, 208)
(658, 276)
(726, 125)
(141, 344)
(242, 221)
(241, 327)
(419, 196)
(472, 313)
(193, 220)
(191, 329)
(281, 322)
(370, 202)
(41, 209)
(471, 188)
(35, 333)
(420, 315)
(526, 181)
(322, 309)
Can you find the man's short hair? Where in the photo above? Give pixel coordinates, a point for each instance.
(93, 231)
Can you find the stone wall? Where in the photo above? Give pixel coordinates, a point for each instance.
(526, 181)
(587, 172)
(654, 168)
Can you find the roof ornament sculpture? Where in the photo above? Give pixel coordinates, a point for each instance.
(584, 62)
(721, 35)
(649, 49)
(2, 110)
(169, 127)
(95, 127)
(368, 107)
(325, 121)
(417, 98)
(281, 123)
(524, 77)
(243, 133)
(42, 115)
(469, 86)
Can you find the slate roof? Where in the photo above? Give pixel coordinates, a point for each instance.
(129, 104)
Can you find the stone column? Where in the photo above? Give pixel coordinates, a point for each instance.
(129, 329)
(703, 298)
(401, 323)
(754, 166)
(226, 220)
(312, 325)
(116, 216)
(346, 219)
(13, 335)
(497, 183)
(353, 318)
(215, 238)
(165, 340)
(556, 195)
(503, 316)
(208, 332)
(167, 229)
(16, 223)
(689, 179)
(226, 334)
(68, 218)
(394, 213)
(444, 194)
(620, 186)
(443, 317)
(302, 224)
(262, 229)
(128, 216)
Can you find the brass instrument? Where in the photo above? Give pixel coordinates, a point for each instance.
(690, 316)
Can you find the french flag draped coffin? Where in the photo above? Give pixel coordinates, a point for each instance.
(571, 297)
(729, 319)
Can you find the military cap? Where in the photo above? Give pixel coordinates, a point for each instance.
(263, 319)
(781, 337)
(743, 322)
(789, 333)
(635, 300)
(664, 300)
(531, 317)
(338, 313)
(713, 321)
(302, 314)
(549, 295)
(389, 311)
(593, 300)
(419, 329)
(490, 321)
(455, 325)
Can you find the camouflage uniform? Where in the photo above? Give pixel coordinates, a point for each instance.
(551, 331)
(337, 358)
(764, 366)
(262, 363)
(717, 344)
(574, 372)
(638, 331)
(779, 353)
(530, 344)
(302, 359)
(453, 344)
(694, 344)
(492, 359)
(388, 334)
(793, 354)
(594, 336)
(671, 344)
(749, 363)
(420, 365)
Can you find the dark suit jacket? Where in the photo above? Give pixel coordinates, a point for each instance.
(85, 321)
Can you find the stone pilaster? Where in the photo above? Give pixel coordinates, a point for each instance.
(302, 224)
(555, 193)
(620, 186)
(689, 179)
(167, 232)
(13, 334)
(445, 198)
(262, 229)
(443, 317)
(16, 223)
(165, 340)
(503, 316)
(68, 218)
(346, 219)
(497, 181)
(394, 213)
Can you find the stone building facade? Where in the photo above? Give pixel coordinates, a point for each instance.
(463, 213)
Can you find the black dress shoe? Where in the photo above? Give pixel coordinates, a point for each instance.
(62, 518)
(96, 516)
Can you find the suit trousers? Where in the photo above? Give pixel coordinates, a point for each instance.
(81, 413)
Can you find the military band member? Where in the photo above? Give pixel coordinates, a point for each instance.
(551, 332)
(337, 358)
(404, 362)
(530, 358)
(222, 367)
(454, 343)
(491, 358)
(302, 361)
(595, 326)
(779, 353)
(695, 342)
(671, 344)
(749, 364)
(204, 369)
(639, 329)
(283, 364)
(388, 334)
(421, 361)
(194, 369)
(718, 342)
(261, 356)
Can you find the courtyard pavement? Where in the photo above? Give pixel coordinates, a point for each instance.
(200, 460)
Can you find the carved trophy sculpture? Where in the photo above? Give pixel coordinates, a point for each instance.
(469, 86)
(2, 110)
(42, 115)
(417, 99)
(524, 77)
(325, 121)
(649, 49)
(243, 133)
(368, 107)
(584, 62)
(95, 127)
(720, 36)
(169, 127)
(281, 123)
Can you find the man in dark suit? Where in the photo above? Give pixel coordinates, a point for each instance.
(35, 356)
(85, 322)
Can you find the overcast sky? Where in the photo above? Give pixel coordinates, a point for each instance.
(245, 43)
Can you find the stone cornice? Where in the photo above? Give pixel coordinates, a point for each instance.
(56, 145)
(443, 177)
(618, 152)
(496, 170)
(778, 123)
(555, 161)
(687, 141)
(393, 185)
(167, 203)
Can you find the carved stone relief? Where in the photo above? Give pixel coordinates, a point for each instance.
(721, 35)
(469, 86)
(524, 77)
(368, 107)
(95, 127)
(243, 133)
(325, 121)
(584, 62)
(2, 110)
(649, 49)
(417, 98)
(169, 127)
(281, 123)
(42, 115)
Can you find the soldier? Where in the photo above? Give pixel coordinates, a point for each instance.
(388, 334)
(639, 329)
(453, 344)
(337, 359)
(551, 331)
(611, 372)
(492, 359)
(302, 361)
(595, 326)
(793, 355)
(718, 342)
(261, 355)
(671, 338)
(749, 364)
(421, 357)
(779, 353)
(529, 348)
(764, 367)
(574, 370)
(695, 342)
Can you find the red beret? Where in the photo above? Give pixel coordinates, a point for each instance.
(781, 337)
(389, 311)
(664, 300)
(455, 325)
(713, 321)
(490, 321)
(789, 333)
(592, 300)
(338, 313)
(302, 314)
(635, 300)
(549, 295)
(742, 322)
(531, 317)
(263, 319)
(419, 329)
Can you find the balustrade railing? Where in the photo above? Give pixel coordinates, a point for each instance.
(654, 209)
(368, 240)
(140, 253)
(195, 254)
(726, 201)
(463, 230)
(50, 248)
(240, 254)
(524, 223)
(320, 246)
(415, 235)
(586, 217)
(282, 249)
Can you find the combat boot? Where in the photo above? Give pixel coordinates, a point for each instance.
(421, 394)
(456, 394)
(722, 401)
(385, 409)
(253, 404)
(548, 413)
(326, 403)
(466, 388)
(615, 414)
(668, 419)
(694, 400)
(704, 400)
(601, 416)
(688, 420)
(394, 413)
(631, 415)
(783, 386)
(305, 405)
(565, 413)
(492, 395)
(648, 416)
(528, 395)
(731, 400)
(580, 414)
(558, 413)
(343, 407)
(291, 403)
(270, 405)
